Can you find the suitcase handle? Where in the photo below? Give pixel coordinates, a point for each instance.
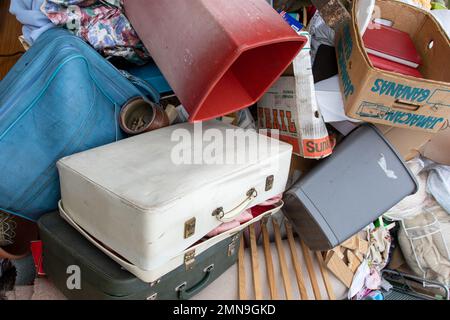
(229, 216)
(186, 294)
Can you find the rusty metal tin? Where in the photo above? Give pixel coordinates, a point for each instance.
(140, 116)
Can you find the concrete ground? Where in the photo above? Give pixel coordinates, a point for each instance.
(43, 289)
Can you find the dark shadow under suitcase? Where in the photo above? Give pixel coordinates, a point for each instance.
(66, 252)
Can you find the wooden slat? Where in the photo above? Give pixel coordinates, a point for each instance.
(282, 258)
(269, 262)
(10, 30)
(241, 271)
(325, 276)
(295, 262)
(255, 264)
(310, 267)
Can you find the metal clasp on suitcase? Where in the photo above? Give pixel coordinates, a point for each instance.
(189, 259)
(189, 228)
(233, 245)
(269, 182)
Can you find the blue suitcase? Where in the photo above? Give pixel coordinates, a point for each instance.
(61, 98)
(151, 75)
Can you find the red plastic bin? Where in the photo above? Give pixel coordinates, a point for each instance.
(219, 56)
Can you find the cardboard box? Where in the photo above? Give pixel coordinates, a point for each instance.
(407, 142)
(438, 149)
(392, 99)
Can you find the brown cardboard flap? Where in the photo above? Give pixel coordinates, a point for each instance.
(438, 149)
(407, 142)
(436, 63)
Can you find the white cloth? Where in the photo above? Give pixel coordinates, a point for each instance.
(425, 243)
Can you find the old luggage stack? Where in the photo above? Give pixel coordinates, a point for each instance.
(104, 279)
(147, 209)
(224, 150)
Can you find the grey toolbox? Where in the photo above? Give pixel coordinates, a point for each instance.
(359, 182)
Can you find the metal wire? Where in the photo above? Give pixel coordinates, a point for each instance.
(7, 229)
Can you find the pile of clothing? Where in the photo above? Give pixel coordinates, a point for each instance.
(101, 23)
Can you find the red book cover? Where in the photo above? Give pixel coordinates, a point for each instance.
(387, 65)
(391, 44)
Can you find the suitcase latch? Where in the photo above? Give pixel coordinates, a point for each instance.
(189, 228)
(189, 259)
(269, 182)
(232, 246)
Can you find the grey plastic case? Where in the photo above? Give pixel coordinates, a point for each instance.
(359, 182)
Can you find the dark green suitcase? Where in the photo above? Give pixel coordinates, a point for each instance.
(102, 279)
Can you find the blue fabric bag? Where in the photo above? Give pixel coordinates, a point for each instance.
(61, 98)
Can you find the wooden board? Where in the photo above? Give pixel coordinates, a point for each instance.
(295, 262)
(10, 30)
(325, 276)
(351, 243)
(269, 262)
(282, 258)
(255, 264)
(339, 269)
(241, 271)
(327, 262)
(311, 272)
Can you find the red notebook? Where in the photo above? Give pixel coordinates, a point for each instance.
(387, 65)
(391, 44)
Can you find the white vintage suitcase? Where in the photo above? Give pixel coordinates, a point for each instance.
(135, 200)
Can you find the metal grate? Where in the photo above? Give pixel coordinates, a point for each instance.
(399, 295)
